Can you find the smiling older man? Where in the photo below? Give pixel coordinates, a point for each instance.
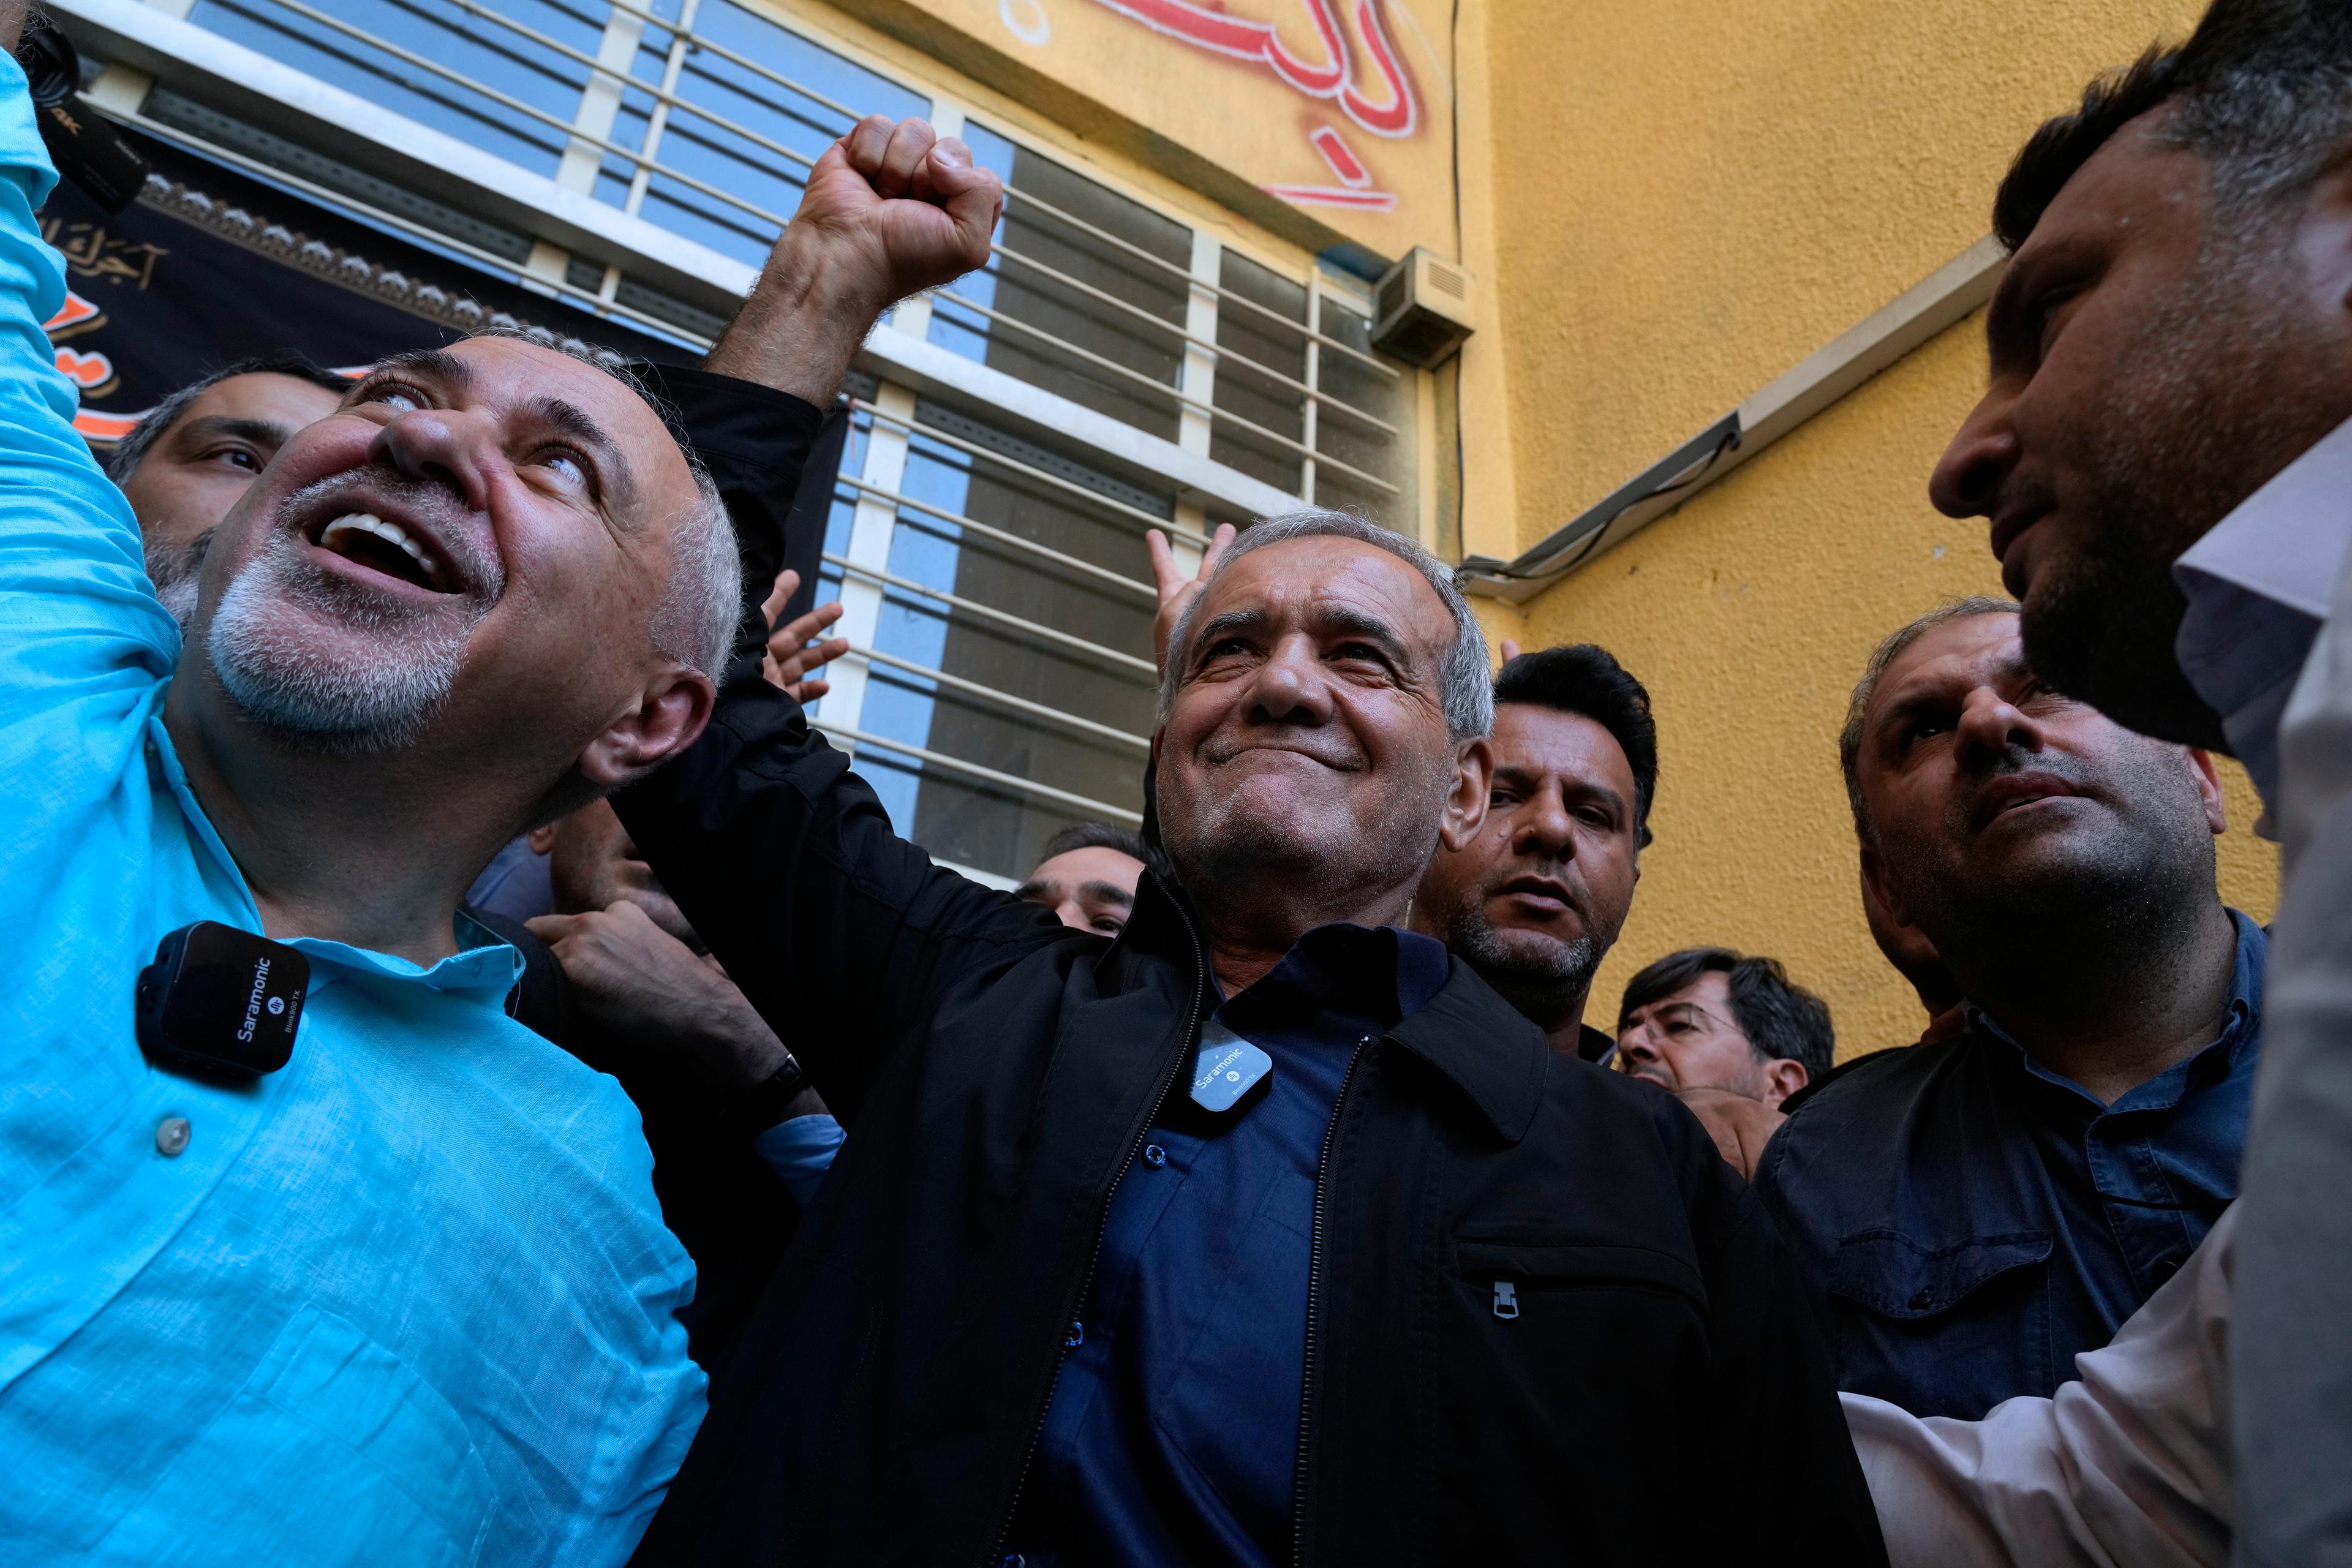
(1262, 1233)
(406, 1300)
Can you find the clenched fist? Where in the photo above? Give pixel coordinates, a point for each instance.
(890, 209)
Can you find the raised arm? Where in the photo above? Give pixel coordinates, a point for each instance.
(834, 927)
(78, 621)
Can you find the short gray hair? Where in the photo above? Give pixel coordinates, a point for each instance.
(694, 623)
(1866, 691)
(1466, 689)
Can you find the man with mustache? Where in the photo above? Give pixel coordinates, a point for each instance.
(1979, 1209)
(1261, 1232)
(1535, 901)
(408, 1298)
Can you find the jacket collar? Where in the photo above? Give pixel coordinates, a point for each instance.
(1493, 1055)
(1467, 1032)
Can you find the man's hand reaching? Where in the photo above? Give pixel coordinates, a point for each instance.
(639, 984)
(794, 655)
(889, 210)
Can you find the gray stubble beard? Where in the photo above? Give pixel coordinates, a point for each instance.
(343, 708)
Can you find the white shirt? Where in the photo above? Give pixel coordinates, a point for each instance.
(2126, 1467)
(2259, 585)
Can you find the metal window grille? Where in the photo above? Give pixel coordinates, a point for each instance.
(997, 596)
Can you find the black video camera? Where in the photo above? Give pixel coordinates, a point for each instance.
(221, 1002)
(83, 145)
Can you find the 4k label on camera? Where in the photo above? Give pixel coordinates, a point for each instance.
(1225, 1067)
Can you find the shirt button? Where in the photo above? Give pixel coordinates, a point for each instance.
(1923, 1300)
(1154, 1155)
(171, 1136)
(1076, 1337)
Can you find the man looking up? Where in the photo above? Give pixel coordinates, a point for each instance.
(2164, 451)
(420, 1265)
(1211, 1242)
(1708, 1018)
(1087, 877)
(1982, 1208)
(184, 464)
(1535, 901)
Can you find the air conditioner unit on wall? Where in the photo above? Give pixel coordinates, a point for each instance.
(1422, 309)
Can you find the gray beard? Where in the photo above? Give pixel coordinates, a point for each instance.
(281, 680)
(1542, 989)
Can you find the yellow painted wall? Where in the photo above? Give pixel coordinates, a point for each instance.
(1722, 190)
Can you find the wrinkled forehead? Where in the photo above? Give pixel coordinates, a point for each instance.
(1711, 993)
(508, 376)
(1953, 658)
(1326, 578)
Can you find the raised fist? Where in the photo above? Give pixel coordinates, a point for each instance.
(896, 209)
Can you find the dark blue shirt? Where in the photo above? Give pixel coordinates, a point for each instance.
(1172, 1436)
(1977, 1221)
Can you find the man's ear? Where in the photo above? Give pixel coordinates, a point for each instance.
(1465, 803)
(541, 839)
(1782, 1077)
(668, 716)
(2208, 784)
(1877, 888)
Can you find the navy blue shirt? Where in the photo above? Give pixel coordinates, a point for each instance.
(1977, 1221)
(1172, 1436)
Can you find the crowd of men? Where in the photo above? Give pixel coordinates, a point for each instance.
(673, 1163)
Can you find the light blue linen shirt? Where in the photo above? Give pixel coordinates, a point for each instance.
(408, 1301)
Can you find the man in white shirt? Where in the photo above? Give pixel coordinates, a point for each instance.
(2164, 454)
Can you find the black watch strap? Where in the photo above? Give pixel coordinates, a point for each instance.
(765, 1104)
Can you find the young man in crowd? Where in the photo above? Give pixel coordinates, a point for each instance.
(185, 464)
(420, 1264)
(1087, 877)
(1536, 901)
(2164, 454)
(1209, 1242)
(1979, 1210)
(1706, 1017)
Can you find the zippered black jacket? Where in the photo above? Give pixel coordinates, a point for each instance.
(1661, 1395)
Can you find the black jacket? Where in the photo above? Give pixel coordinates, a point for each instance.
(1662, 1395)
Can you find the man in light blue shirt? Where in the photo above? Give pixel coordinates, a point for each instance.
(408, 1300)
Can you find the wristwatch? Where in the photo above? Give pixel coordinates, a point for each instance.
(762, 1105)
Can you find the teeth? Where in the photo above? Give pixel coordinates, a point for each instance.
(390, 533)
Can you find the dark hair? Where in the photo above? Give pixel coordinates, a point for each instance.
(2263, 90)
(1103, 836)
(1587, 681)
(1780, 1017)
(132, 449)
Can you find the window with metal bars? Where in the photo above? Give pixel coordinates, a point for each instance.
(998, 597)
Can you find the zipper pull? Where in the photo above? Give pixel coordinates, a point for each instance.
(1506, 1299)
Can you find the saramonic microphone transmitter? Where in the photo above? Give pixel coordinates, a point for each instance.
(221, 1001)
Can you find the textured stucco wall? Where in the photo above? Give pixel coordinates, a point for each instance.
(1726, 189)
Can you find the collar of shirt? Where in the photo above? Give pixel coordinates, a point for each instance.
(484, 964)
(1380, 971)
(2259, 585)
(2240, 1032)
